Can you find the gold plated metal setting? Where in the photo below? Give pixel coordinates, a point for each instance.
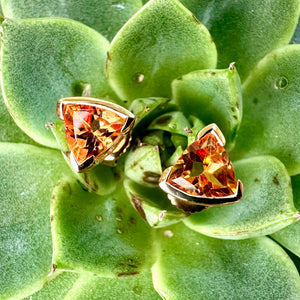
(203, 176)
(97, 131)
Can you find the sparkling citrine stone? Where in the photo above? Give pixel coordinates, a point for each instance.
(204, 169)
(91, 130)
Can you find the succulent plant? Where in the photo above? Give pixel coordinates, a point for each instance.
(111, 233)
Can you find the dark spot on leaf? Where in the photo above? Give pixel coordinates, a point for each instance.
(188, 130)
(255, 101)
(82, 186)
(151, 177)
(275, 180)
(51, 218)
(132, 220)
(127, 274)
(213, 73)
(235, 117)
(108, 60)
(156, 148)
(196, 19)
(163, 119)
(179, 78)
(256, 180)
(147, 108)
(137, 203)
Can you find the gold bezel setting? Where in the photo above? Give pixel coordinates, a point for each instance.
(120, 145)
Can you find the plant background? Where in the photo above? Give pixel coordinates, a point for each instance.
(78, 236)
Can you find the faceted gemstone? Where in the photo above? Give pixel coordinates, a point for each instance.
(204, 169)
(90, 130)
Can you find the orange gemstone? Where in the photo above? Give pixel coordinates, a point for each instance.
(204, 169)
(91, 130)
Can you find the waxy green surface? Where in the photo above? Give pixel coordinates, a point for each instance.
(271, 118)
(200, 267)
(245, 31)
(27, 181)
(43, 60)
(107, 17)
(160, 43)
(214, 96)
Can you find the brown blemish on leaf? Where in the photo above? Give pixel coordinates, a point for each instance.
(232, 66)
(147, 108)
(256, 180)
(108, 60)
(163, 120)
(51, 218)
(132, 220)
(213, 73)
(275, 180)
(156, 148)
(49, 125)
(196, 19)
(137, 203)
(127, 274)
(188, 130)
(162, 214)
(151, 177)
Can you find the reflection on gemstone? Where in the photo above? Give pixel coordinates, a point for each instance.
(90, 130)
(204, 169)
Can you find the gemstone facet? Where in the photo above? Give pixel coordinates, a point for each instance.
(204, 169)
(91, 130)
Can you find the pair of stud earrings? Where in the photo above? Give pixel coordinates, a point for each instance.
(98, 131)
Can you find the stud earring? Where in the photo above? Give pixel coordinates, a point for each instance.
(203, 176)
(97, 131)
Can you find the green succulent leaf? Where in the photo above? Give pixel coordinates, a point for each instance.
(146, 109)
(56, 288)
(9, 131)
(173, 122)
(107, 17)
(137, 286)
(289, 236)
(197, 125)
(192, 266)
(160, 43)
(143, 165)
(267, 203)
(245, 31)
(153, 205)
(101, 235)
(214, 96)
(45, 59)
(28, 176)
(271, 120)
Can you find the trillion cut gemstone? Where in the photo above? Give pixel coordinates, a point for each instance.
(91, 130)
(204, 169)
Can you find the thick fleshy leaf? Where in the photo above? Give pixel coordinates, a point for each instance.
(44, 60)
(271, 118)
(137, 286)
(143, 165)
(214, 96)
(289, 237)
(192, 266)
(57, 288)
(267, 203)
(160, 43)
(9, 131)
(107, 17)
(102, 235)
(245, 31)
(173, 122)
(197, 125)
(153, 205)
(146, 109)
(28, 176)
(296, 36)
